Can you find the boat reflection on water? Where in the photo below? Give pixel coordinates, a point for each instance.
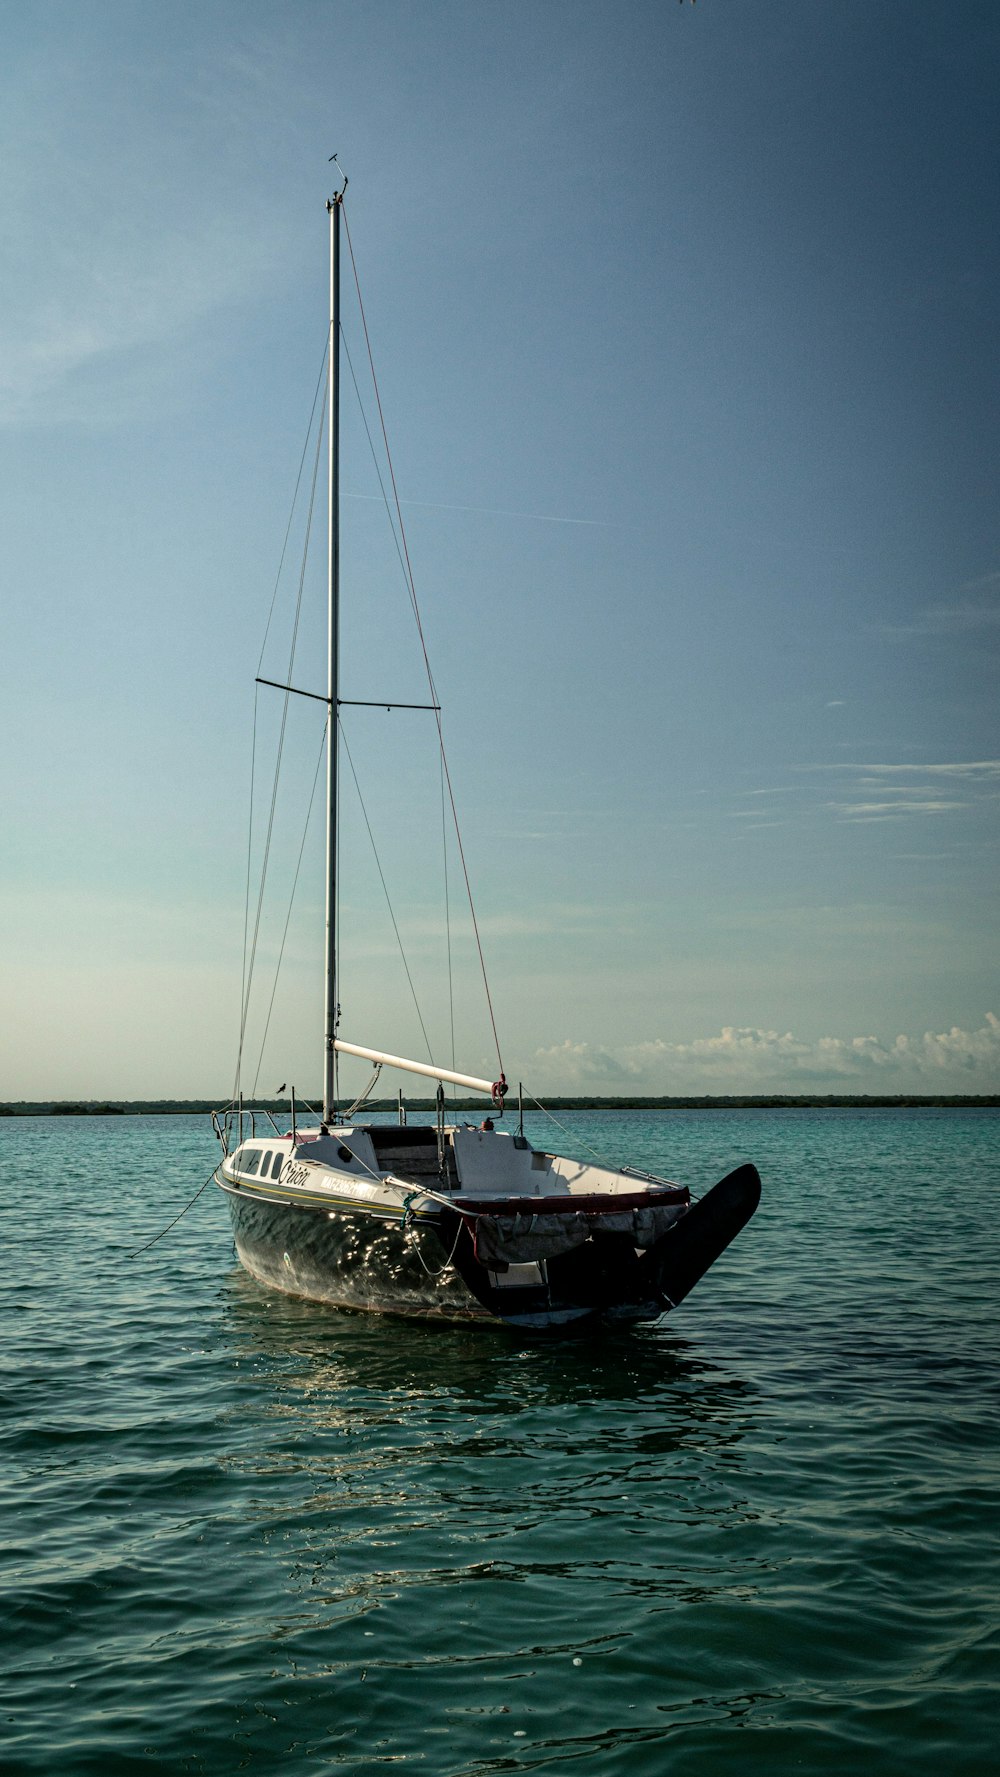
(448, 1526)
(335, 1371)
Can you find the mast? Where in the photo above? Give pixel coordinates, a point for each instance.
(333, 689)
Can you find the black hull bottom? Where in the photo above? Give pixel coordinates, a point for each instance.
(350, 1259)
(361, 1260)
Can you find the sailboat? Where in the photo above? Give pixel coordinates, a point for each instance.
(447, 1220)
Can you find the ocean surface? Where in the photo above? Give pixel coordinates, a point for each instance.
(245, 1533)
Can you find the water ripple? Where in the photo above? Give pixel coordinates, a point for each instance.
(249, 1533)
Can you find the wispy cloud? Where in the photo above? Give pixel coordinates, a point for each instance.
(747, 1059)
(91, 355)
(973, 609)
(886, 811)
(962, 768)
(97, 289)
(422, 928)
(969, 768)
(892, 791)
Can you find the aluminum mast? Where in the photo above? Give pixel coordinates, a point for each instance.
(333, 682)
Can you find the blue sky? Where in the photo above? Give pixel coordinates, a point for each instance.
(685, 325)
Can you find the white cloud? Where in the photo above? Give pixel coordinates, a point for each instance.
(881, 811)
(748, 1060)
(981, 770)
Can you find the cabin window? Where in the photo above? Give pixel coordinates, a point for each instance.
(265, 1164)
(251, 1162)
(276, 1164)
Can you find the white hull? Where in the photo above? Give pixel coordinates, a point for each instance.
(457, 1224)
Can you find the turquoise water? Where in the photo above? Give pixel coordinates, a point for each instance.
(248, 1534)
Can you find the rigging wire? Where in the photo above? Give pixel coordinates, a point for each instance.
(246, 900)
(447, 919)
(375, 461)
(423, 644)
(402, 562)
(281, 745)
(578, 1139)
(295, 495)
(291, 902)
(244, 988)
(388, 902)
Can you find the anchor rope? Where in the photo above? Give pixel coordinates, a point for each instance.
(173, 1224)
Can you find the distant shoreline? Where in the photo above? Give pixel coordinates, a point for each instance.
(174, 1107)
